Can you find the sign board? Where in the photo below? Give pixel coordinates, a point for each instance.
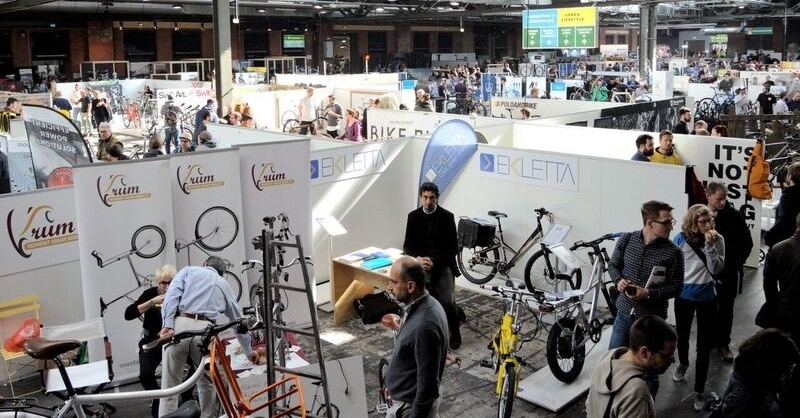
(559, 28)
(718, 39)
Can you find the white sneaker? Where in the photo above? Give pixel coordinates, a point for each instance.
(679, 375)
(699, 401)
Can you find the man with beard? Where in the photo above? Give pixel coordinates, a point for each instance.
(418, 360)
(644, 148)
(665, 153)
(684, 118)
(618, 388)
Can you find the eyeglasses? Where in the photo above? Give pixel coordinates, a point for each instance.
(667, 222)
(705, 220)
(163, 283)
(184, 140)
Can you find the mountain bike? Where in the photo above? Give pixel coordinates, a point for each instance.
(508, 340)
(215, 230)
(573, 328)
(481, 263)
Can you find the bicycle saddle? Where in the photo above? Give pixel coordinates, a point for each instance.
(516, 284)
(42, 349)
(497, 214)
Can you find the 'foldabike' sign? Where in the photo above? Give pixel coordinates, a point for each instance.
(574, 27)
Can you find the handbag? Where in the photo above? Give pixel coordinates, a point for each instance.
(765, 318)
(372, 308)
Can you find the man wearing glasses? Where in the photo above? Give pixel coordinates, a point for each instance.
(148, 305)
(647, 269)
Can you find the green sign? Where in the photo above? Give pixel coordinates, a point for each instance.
(566, 37)
(572, 27)
(763, 30)
(532, 39)
(718, 39)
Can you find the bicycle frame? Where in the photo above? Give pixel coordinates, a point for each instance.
(505, 344)
(535, 236)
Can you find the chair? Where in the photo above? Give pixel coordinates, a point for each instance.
(12, 314)
(86, 378)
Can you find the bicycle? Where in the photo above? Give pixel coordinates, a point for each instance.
(481, 263)
(508, 340)
(215, 230)
(464, 106)
(209, 343)
(581, 94)
(147, 242)
(573, 328)
(709, 109)
(131, 115)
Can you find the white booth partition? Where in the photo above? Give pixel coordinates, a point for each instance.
(714, 159)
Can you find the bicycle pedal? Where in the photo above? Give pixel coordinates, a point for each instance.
(487, 363)
(382, 408)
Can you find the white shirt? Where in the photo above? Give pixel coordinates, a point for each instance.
(306, 110)
(780, 107)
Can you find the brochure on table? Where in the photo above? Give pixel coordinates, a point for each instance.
(371, 253)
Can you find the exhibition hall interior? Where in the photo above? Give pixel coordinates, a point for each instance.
(399, 208)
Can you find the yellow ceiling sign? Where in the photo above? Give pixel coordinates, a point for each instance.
(577, 16)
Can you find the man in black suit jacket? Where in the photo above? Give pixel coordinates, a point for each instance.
(431, 238)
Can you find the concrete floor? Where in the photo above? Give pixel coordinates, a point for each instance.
(468, 391)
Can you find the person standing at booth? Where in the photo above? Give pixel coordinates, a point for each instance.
(333, 114)
(201, 118)
(644, 148)
(306, 112)
(431, 237)
(666, 153)
(637, 256)
(148, 307)
(196, 298)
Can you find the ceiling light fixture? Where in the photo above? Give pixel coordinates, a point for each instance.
(317, 6)
(460, 24)
(379, 9)
(120, 25)
(177, 6)
(454, 3)
(155, 25)
(140, 24)
(262, 10)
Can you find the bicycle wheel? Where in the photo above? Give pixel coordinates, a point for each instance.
(536, 272)
(451, 106)
(292, 126)
(216, 228)
(383, 370)
(507, 392)
(126, 119)
(257, 303)
(480, 109)
(148, 241)
(563, 357)
(234, 282)
(478, 265)
(322, 412)
(320, 124)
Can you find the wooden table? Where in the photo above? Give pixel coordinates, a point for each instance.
(350, 281)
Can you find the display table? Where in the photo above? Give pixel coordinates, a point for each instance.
(351, 281)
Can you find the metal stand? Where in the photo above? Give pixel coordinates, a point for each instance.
(275, 327)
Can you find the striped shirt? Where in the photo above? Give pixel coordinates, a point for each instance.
(634, 261)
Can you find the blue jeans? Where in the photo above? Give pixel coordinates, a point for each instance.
(170, 138)
(620, 337)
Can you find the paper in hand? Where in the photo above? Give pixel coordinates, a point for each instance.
(657, 276)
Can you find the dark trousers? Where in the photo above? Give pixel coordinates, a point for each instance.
(148, 362)
(726, 296)
(442, 286)
(306, 126)
(706, 311)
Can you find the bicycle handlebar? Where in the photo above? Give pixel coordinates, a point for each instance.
(537, 295)
(542, 211)
(206, 333)
(96, 256)
(593, 243)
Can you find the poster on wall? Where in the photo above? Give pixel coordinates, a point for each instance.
(388, 124)
(352, 161)
(653, 116)
(125, 218)
(207, 212)
(555, 171)
(276, 193)
(40, 230)
(56, 146)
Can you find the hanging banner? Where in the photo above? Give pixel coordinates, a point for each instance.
(207, 212)
(56, 145)
(275, 186)
(124, 212)
(450, 148)
(40, 230)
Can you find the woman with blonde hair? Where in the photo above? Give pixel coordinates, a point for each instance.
(704, 256)
(352, 130)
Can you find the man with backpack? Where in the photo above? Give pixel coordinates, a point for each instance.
(171, 113)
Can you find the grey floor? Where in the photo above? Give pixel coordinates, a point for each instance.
(468, 391)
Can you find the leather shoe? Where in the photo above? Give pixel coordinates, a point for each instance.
(455, 339)
(725, 353)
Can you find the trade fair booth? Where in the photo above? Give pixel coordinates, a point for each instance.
(76, 244)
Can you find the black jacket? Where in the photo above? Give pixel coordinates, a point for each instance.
(782, 271)
(432, 236)
(785, 214)
(5, 179)
(152, 317)
(730, 223)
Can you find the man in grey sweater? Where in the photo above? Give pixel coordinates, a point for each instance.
(418, 360)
